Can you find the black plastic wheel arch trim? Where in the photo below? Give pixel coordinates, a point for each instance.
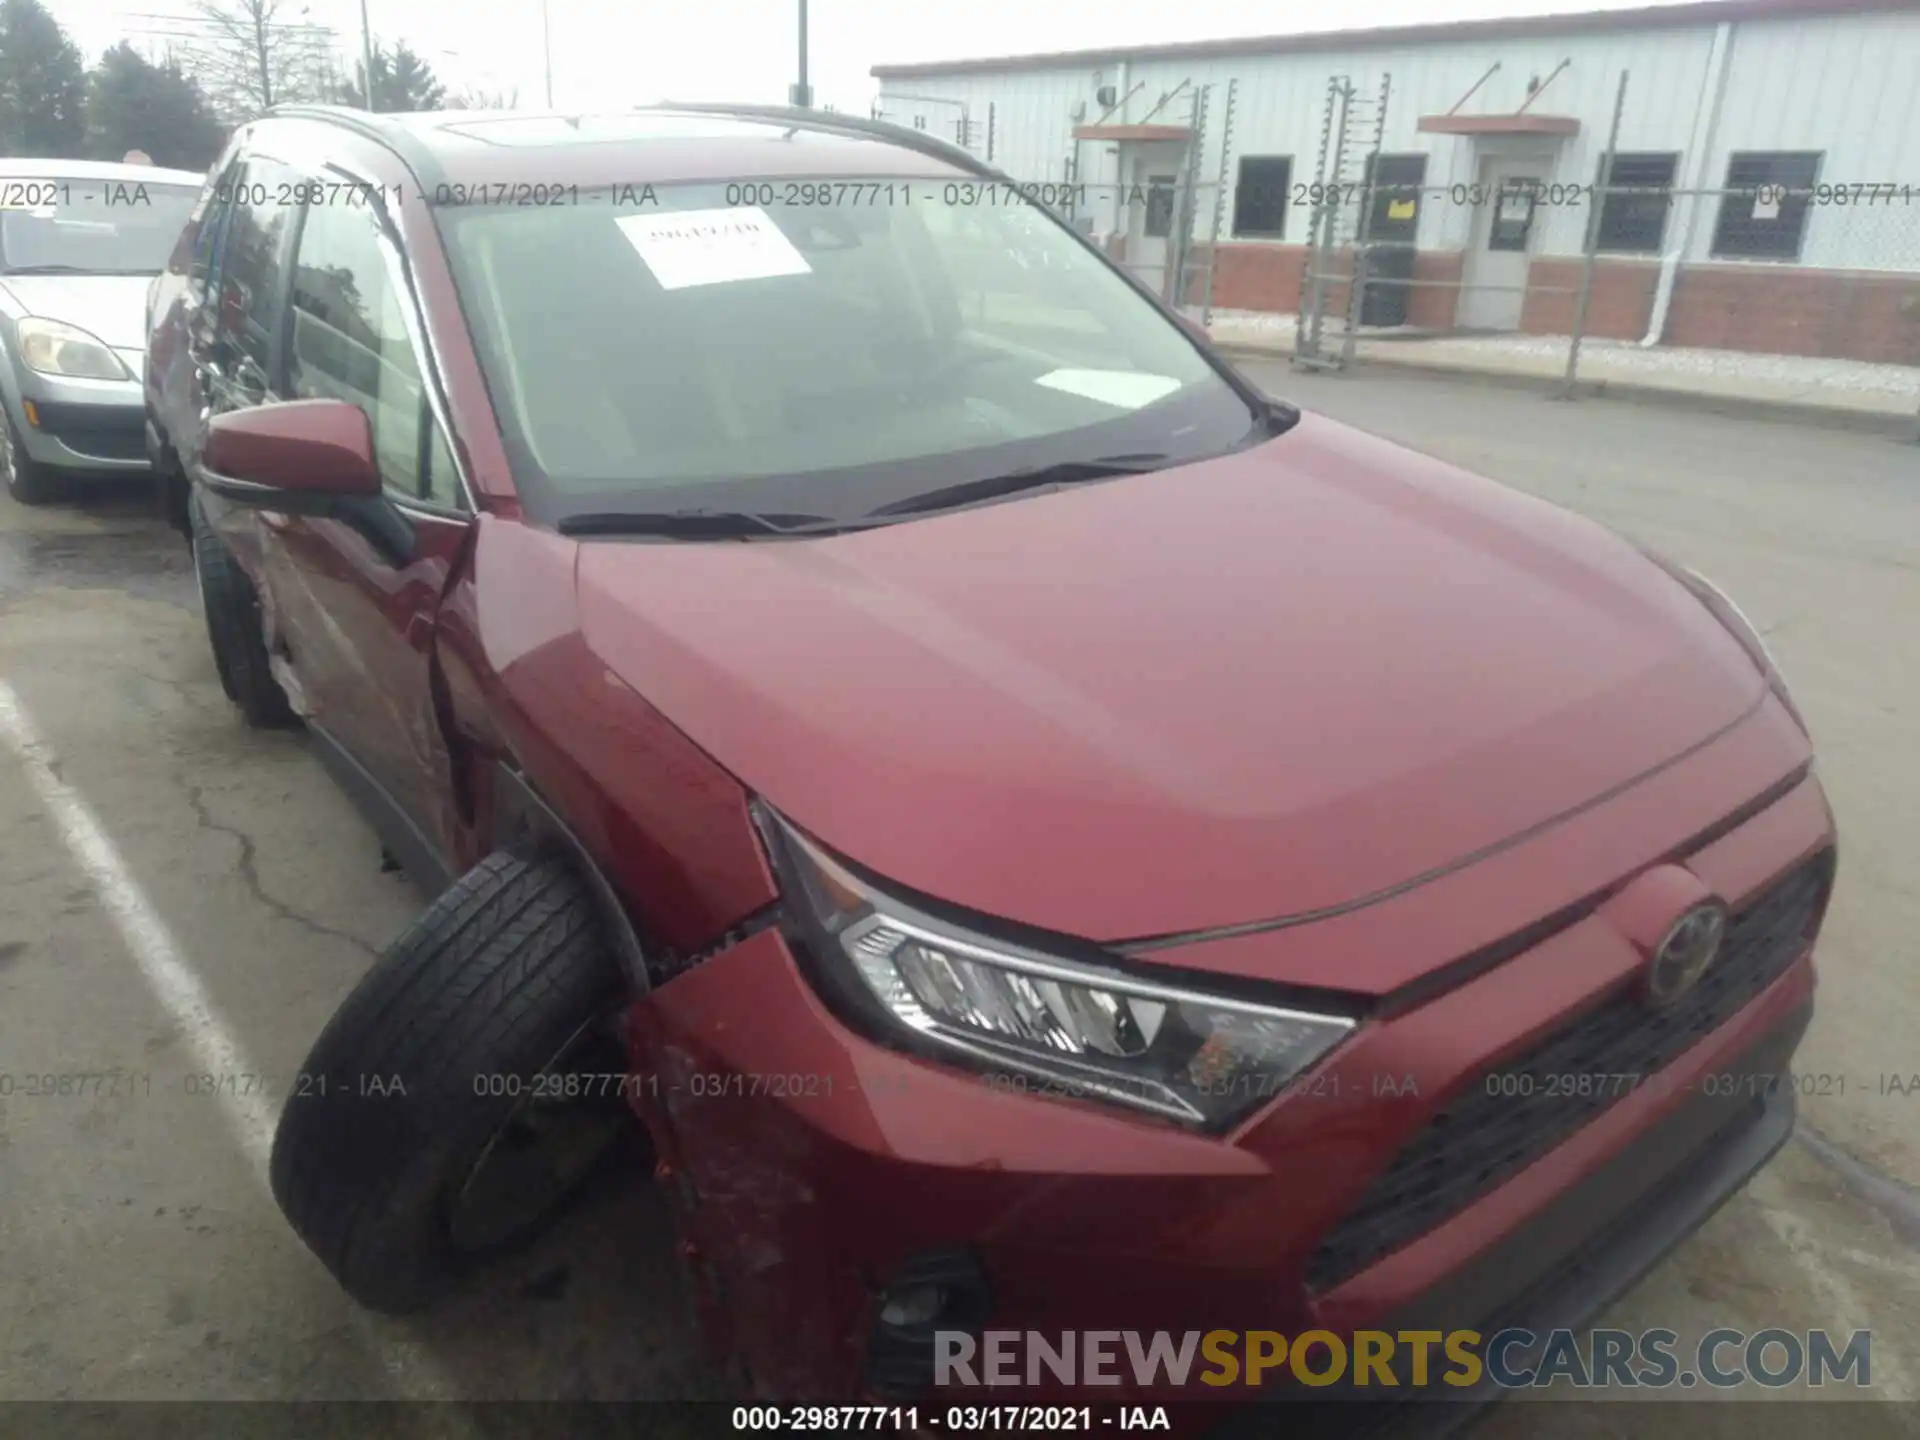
(527, 814)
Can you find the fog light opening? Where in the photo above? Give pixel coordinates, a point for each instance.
(933, 1291)
(912, 1307)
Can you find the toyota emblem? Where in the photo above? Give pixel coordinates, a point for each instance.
(1685, 952)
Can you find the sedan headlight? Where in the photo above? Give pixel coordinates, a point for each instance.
(1734, 620)
(54, 347)
(1045, 1023)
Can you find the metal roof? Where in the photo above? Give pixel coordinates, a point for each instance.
(1585, 22)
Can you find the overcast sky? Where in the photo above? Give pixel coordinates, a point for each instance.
(631, 52)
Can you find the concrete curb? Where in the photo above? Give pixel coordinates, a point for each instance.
(1804, 412)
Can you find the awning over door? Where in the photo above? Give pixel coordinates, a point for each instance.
(1132, 132)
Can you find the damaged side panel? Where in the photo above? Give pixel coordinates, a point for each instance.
(543, 727)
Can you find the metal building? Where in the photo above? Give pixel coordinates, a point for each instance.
(1763, 191)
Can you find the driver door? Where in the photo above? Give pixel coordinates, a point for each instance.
(360, 615)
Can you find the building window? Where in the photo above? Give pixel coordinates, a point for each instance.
(1260, 197)
(1633, 211)
(1763, 214)
(1160, 197)
(1395, 181)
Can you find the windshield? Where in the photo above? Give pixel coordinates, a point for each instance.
(820, 347)
(90, 227)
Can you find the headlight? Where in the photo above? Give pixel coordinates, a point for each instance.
(1734, 620)
(54, 347)
(1076, 1027)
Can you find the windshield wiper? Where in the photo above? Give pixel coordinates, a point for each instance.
(52, 270)
(701, 524)
(1041, 477)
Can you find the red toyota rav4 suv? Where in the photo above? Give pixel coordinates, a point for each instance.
(1041, 834)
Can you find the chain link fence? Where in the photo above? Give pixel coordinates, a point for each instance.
(1558, 259)
(1760, 286)
(1817, 277)
(1783, 277)
(1827, 272)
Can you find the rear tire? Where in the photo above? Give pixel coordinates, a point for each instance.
(28, 481)
(170, 487)
(232, 610)
(487, 990)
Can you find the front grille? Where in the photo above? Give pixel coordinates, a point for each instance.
(107, 445)
(1488, 1133)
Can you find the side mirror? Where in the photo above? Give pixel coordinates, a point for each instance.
(301, 456)
(306, 457)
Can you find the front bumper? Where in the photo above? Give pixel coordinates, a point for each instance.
(84, 426)
(813, 1169)
(1572, 1258)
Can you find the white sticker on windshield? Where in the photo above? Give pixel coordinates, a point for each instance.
(1125, 389)
(685, 248)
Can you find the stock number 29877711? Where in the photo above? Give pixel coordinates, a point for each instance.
(819, 192)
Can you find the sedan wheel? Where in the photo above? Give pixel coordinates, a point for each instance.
(27, 480)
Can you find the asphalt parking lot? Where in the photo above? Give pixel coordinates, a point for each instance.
(183, 897)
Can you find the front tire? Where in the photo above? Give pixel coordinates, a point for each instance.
(27, 480)
(171, 490)
(417, 1084)
(232, 610)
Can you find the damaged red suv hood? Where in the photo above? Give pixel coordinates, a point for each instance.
(1257, 686)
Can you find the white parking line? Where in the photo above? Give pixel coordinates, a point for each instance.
(173, 983)
(1846, 1310)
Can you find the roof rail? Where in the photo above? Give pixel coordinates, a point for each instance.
(394, 138)
(805, 119)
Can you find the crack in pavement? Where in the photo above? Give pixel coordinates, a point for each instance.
(250, 874)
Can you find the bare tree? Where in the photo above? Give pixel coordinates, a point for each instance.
(250, 55)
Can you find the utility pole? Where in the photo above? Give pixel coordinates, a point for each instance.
(802, 93)
(366, 55)
(546, 49)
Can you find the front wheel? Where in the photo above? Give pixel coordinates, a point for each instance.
(27, 480)
(441, 1117)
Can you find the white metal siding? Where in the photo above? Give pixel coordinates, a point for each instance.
(1843, 85)
(1849, 88)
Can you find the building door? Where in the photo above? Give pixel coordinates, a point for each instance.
(1504, 228)
(1151, 187)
